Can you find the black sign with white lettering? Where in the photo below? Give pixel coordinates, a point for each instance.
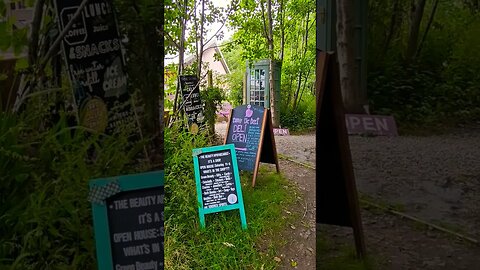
(93, 54)
(244, 132)
(135, 220)
(217, 179)
(191, 97)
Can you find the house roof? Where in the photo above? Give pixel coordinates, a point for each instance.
(213, 45)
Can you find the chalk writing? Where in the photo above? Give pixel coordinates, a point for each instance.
(96, 66)
(244, 132)
(217, 179)
(136, 228)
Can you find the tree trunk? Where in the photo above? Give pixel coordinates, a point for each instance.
(200, 49)
(429, 24)
(35, 32)
(304, 86)
(181, 52)
(346, 57)
(393, 26)
(282, 30)
(153, 94)
(415, 21)
(273, 109)
(296, 99)
(297, 91)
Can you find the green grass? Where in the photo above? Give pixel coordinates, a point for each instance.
(223, 244)
(334, 257)
(365, 199)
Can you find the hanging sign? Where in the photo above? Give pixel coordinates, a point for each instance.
(250, 129)
(128, 221)
(93, 54)
(218, 181)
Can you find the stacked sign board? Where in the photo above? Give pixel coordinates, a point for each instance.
(250, 129)
(218, 181)
(192, 103)
(128, 221)
(93, 54)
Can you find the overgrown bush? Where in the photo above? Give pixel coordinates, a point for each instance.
(212, 97)
(302, 118)
(45, 217)
(441, 84)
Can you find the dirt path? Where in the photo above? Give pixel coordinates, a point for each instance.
(434, 178)
(299, 252)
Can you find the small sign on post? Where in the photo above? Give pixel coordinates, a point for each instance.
(380, 125)
(128, 221)
(250, 129)
(218, 181)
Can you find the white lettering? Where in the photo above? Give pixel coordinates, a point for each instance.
(381, 124)
(354, 121)
(368, 124)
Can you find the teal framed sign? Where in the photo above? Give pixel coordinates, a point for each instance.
(218, 181)
(128, 220)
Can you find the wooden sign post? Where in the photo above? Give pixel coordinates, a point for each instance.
(128, 221)
(337, 201)
(250, 129)
(218, 181)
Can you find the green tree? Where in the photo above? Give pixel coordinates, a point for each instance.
(291, 24)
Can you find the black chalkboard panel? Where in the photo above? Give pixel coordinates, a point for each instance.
(244, 132)
(191, 97)
(93, 54)
(135, 221)
(217, 179)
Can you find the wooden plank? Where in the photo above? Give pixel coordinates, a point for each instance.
(337, 201)
(259, 151)
(346, 158)
(228, 126)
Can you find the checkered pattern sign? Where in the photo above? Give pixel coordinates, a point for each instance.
(99, 194)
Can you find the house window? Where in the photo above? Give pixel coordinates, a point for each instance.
(13, 6)
(257, 87)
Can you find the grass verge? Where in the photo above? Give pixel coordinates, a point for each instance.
(223, 244)
(342, 257)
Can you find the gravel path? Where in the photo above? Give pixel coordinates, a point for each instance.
(434, 178)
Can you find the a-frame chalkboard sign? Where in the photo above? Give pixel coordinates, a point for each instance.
(218, 181)
(250, 129)
(128, 220)
(336, 193)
